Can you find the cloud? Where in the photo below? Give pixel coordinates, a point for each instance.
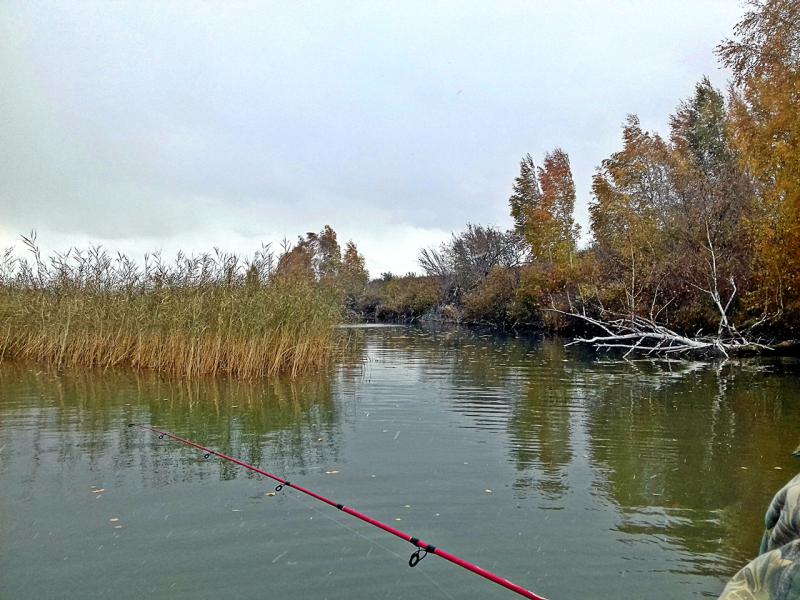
(151, 124)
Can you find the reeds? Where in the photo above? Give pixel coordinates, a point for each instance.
(200, 315)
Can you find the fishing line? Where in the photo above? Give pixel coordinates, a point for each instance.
(422, 548)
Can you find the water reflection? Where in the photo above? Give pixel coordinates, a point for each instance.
(520, 386)
(690, 453)
(541, 426)
(659, 472)
(82, 415)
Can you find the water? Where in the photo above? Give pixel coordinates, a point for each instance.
(576, 477)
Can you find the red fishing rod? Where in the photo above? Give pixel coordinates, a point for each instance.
(422, 547)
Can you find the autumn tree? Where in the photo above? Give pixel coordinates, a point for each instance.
(353, 274)
(526, 196)
(670, 221)
(329, 254)
(542, 204)
(297, 260)
(632, 194)
(558, 203)
(713, 198)
(764, 56)
(317, 256)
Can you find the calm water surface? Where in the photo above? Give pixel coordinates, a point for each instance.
(576, 477)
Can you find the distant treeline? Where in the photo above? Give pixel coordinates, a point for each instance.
(682, 228)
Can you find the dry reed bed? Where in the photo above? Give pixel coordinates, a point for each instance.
(206, 315)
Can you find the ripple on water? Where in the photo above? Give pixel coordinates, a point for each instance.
(607, 479)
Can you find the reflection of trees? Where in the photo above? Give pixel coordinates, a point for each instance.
(288, 425)
(528, 381)
(477, 358)
(515, 385)
(691, 456)
(686, 451)
(540, 426)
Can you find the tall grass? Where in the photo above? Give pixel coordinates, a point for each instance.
(197, 315)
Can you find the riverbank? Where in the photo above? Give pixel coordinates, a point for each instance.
(549, 322)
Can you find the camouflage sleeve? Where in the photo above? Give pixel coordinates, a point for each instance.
(775, 508)
(771, 576)
(764, 547)
(783, 518)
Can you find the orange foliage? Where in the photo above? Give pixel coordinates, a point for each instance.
(765, 59)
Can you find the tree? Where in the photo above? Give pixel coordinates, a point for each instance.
(353, 274)
(764, 56)
(467, 259)
(668, 220)
(629, 215)
(329, 254)
(316, 256)
(699, 131)
(713, 199)
(558, 204)
(542, 203)
(526, 195)
(298, 260)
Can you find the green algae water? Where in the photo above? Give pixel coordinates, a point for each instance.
(574, 476)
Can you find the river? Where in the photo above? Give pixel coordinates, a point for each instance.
(573, 475)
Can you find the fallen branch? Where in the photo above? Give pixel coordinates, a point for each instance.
(635, 333)
(646, 336)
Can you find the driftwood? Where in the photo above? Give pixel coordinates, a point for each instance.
(644, 335)
(639, 334)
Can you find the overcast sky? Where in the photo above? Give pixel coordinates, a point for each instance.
(191, 125)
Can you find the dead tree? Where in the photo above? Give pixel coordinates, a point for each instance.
(645, 335)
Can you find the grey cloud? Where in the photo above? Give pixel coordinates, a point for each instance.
(149, 123)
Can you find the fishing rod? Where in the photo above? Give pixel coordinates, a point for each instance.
(423, 548)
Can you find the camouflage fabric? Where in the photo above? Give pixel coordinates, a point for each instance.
(783, 517)
(772, 576)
